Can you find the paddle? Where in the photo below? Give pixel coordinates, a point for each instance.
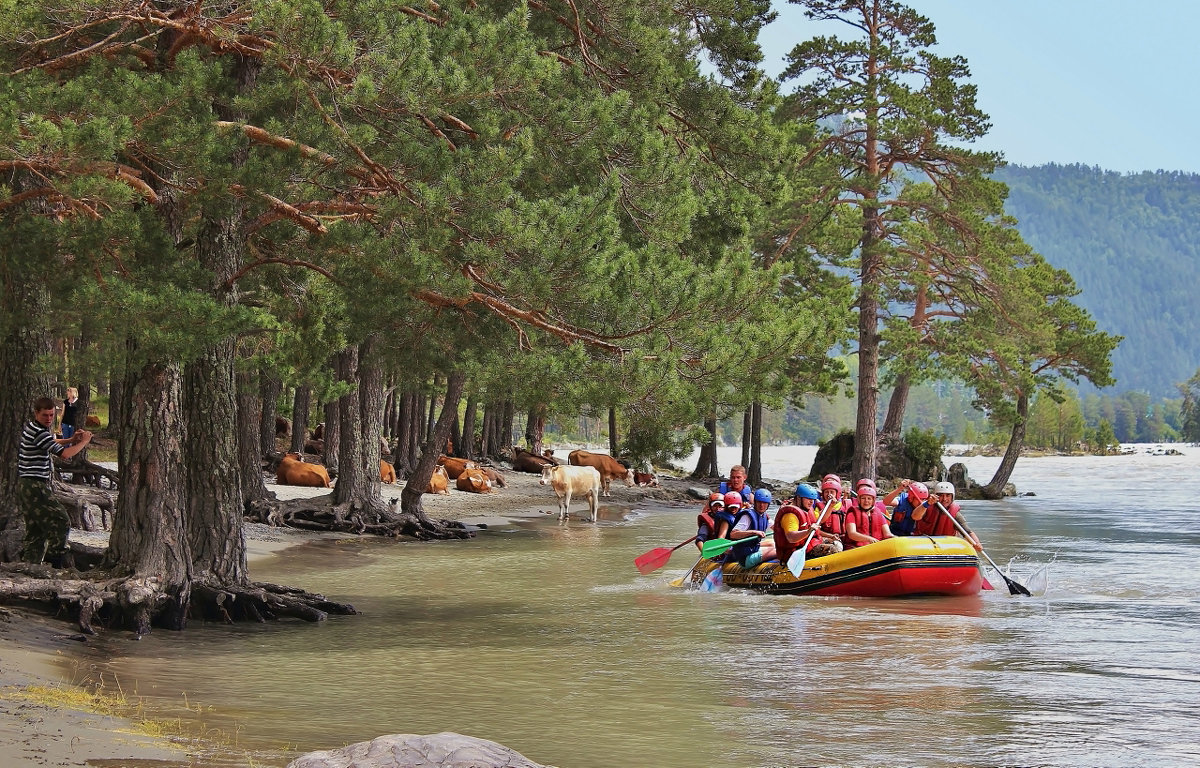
(714, 547)
(1013, 587)
(795, 563)
(657, 558)
(687, 576)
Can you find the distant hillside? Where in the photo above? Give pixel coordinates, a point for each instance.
(1132, 242)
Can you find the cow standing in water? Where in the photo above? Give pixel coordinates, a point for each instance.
(569, 481)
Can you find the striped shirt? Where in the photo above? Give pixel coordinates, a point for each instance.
(33, 457)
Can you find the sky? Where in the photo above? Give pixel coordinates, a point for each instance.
(1107, 83)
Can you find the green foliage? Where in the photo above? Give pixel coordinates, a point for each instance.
(924, 448)
(1102, 439)
(1189, 411)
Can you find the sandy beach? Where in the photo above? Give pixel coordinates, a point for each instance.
(39, 727)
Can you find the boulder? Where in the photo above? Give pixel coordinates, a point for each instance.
(408, 750)
(698, 493)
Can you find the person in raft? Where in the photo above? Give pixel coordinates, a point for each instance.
(833, 526)
(751, 524)
(794, 522)
(910, 500)
(934, 522)
(737, 483)
(867, 522)
(712, 522)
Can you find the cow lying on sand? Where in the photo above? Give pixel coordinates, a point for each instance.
(293, 471)
(569, 481)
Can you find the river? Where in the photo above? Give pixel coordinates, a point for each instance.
(544, 637)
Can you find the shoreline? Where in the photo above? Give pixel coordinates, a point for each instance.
(36, 731)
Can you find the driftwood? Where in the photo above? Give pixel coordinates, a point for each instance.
(83, 471)
(319, 513)
(79, 501)
(101, 598)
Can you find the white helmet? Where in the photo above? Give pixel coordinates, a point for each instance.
(944, 487)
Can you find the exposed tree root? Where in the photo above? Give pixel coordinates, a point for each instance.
(98, 598)
(321, 514)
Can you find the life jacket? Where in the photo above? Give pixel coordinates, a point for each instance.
(902, 521)
(835, 520)
(747, 492)
(784, 547)
(938, 523)
(706, 526)
(869, 522)
(758, 522)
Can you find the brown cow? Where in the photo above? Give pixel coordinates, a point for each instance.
(293, 471)
(648, 479)
(609, 468)
(319, 432)
(440, 482)
(474, 480)
(315, 447)
(387, 473)
(282, 426)
(454, 467)
(92, 421)
(495, 476)
(524, 461)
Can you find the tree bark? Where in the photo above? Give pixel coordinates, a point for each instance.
(487, 430)
(357, 490)
(249, 421)
(410, 497)
(535, 428)
(754, 468)
(301, 405)
(893, 423)
(467, 449)
(1016, 441)
(149, 540)
(270, 389)
(504, 428)
(706, 465)
(612, 431)
(747, 431)
(333, 432)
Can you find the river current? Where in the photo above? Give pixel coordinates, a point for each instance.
(545, 638)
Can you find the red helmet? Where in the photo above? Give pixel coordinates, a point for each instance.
(867, 488)
(918, 491)
(733, 499)
(834, 477)
(866, 481)
(831, 485)
(714, 496)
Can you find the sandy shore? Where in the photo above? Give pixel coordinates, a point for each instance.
(36, 730)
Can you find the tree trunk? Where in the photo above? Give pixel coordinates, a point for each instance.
(116, 398)
(1016, 441)
(403, 433)
(747, 431)
(535, 428)
(454, 441)
(706, 465)
(893, 423)
(754, 468)
(333, 432)
(467, 450)
(505, 427)
(271, 387)
(612, 431)
(249, 421)
(410, 497)
(149, 539)
(416, 429)
(356, 492)
(487, 447)
(301, 405)
(429, 422)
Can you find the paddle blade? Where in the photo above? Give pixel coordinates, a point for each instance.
(653, 560)
(987, 585)
(715, 547)
(1014, 588)
(795, 563)
(712, 581)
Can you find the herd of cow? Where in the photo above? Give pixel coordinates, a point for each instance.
(583, 474)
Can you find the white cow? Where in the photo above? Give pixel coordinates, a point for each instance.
(571, 480)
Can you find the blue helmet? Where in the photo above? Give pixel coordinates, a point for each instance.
(806, 491)
(762, 494)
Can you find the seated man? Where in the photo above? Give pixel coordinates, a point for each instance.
(910, 499)
(752, 524)
(936, 518)
(796, 523)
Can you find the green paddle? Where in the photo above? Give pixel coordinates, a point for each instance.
(715, 547)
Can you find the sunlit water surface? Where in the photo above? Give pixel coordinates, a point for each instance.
(545, 638)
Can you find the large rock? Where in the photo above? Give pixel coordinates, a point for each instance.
(409, 750)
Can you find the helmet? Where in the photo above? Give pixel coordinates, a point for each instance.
(834, 477)
(867, 488)
(762, 494)
(867, 482)
(806, 491)
(716, 496)
(918, 491)
(733, 499)
(833, 485)
(944, 487)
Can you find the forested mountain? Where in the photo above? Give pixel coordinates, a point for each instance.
(1132, 243)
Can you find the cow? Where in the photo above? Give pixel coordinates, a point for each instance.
(568, 481)
(648, 479)
(319, 432)
(454, 467)
(548, 455)
(387, 473)
(439, 482)
(495, 476)
(609, 468)
(282, 426)
(315, 447)
(524, 461)
(294, 471)
(91, 421)
(474, 480)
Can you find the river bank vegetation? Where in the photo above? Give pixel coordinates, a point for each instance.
(417, 222)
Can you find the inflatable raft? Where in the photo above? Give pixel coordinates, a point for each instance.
(904, 566)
